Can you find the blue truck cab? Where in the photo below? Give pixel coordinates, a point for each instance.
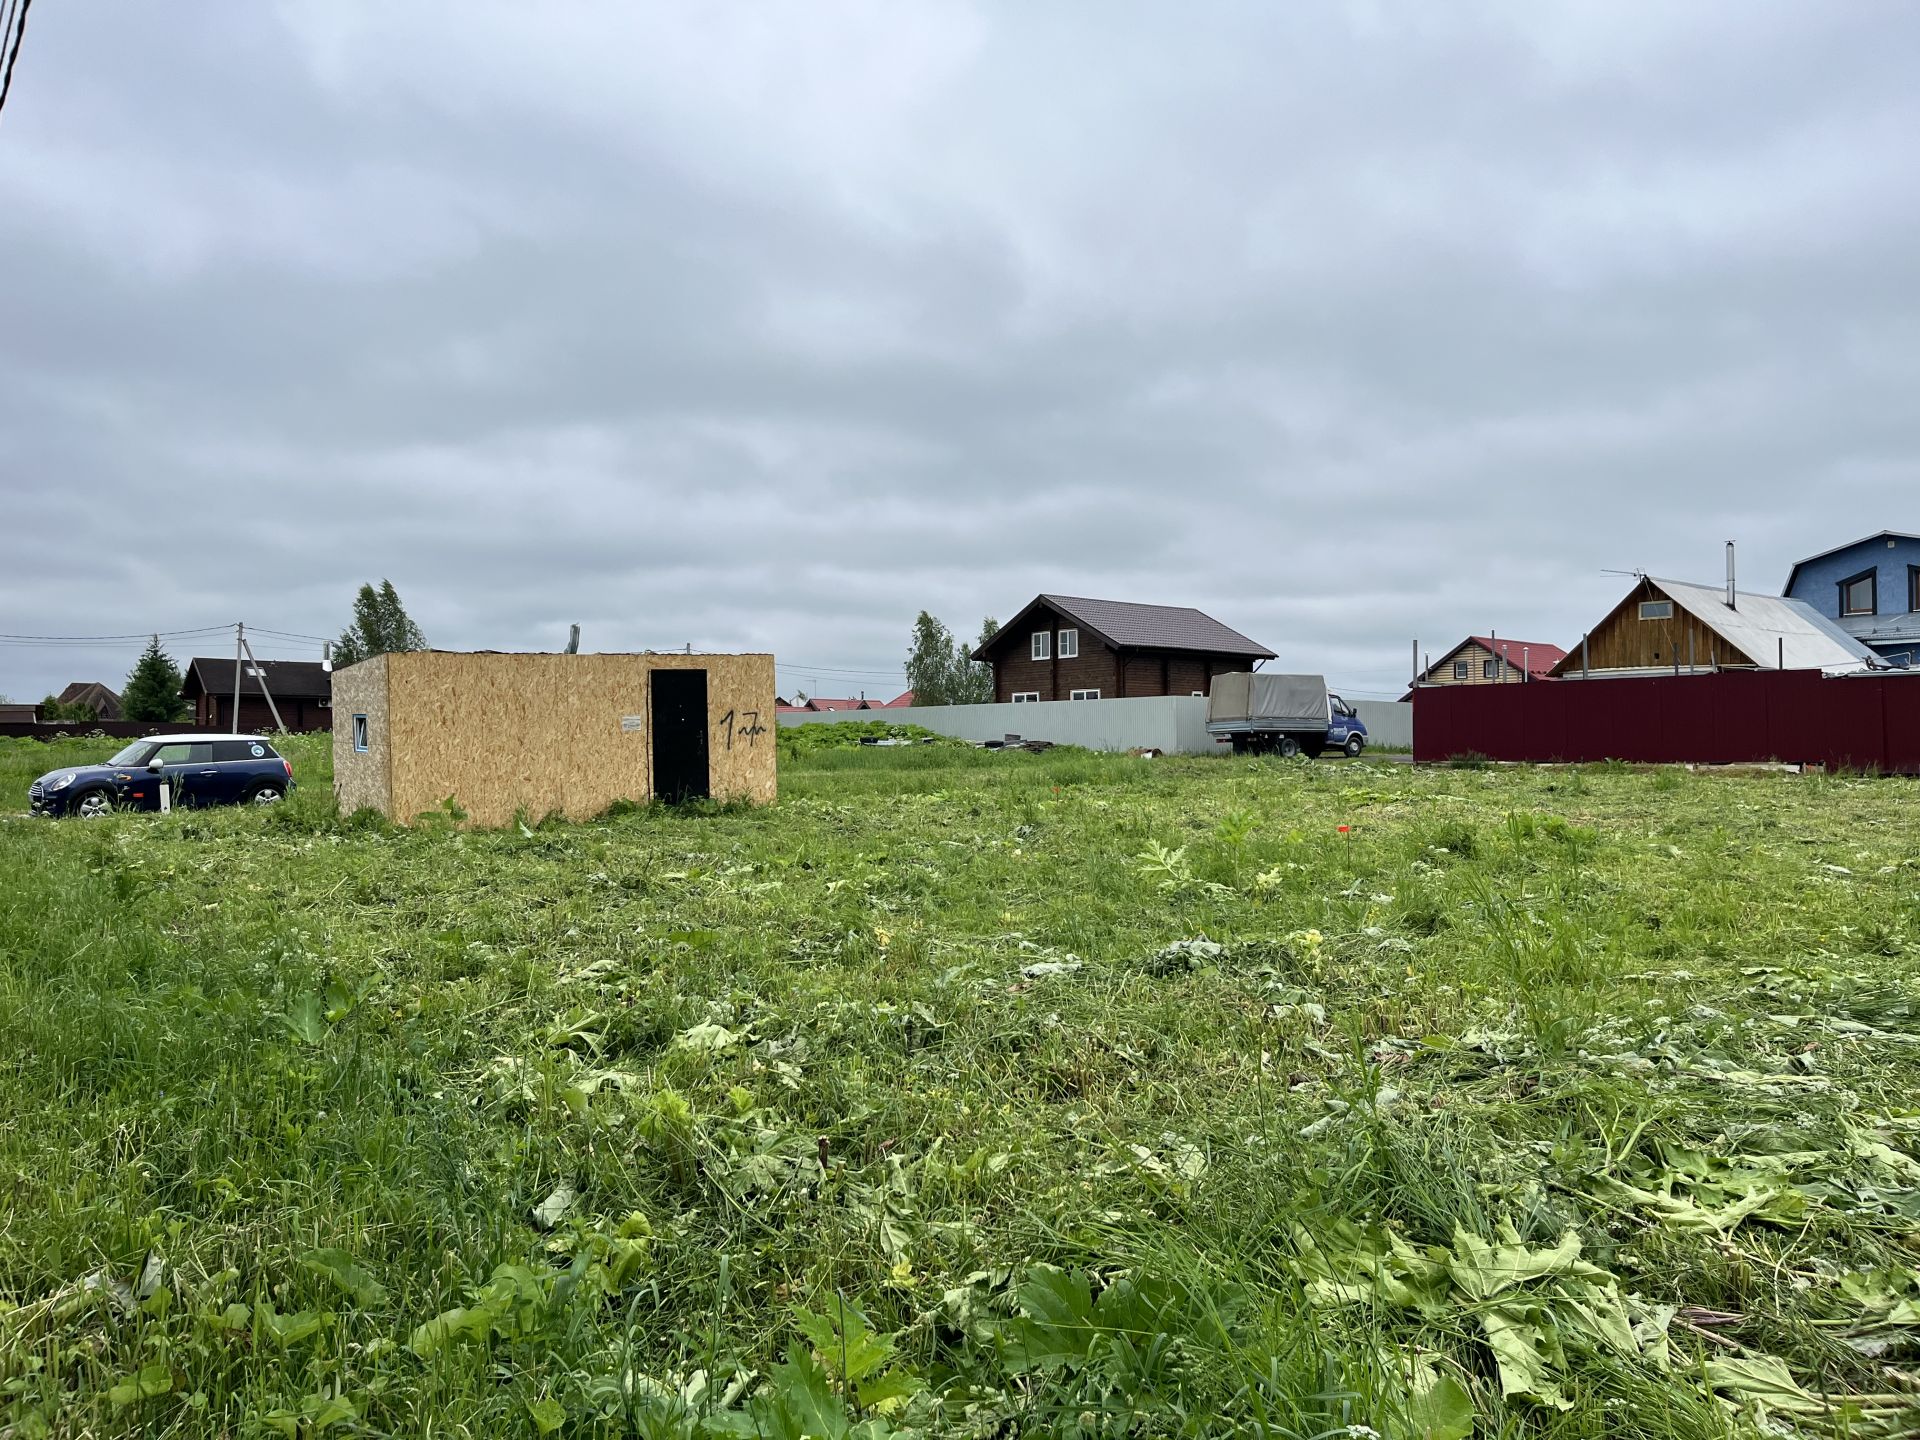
(162, 771)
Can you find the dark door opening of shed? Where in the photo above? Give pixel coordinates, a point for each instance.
(680, 735)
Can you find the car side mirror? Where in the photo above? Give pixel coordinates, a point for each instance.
(154, 767)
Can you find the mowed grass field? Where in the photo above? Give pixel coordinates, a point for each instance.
(973, 1095)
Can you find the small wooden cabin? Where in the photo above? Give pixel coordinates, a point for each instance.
(1670, 627)
(505, 734)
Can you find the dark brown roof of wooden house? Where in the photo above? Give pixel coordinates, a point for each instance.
(288, 679)
(1131, 626)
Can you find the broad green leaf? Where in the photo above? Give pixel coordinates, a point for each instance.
(1482, 1271)
(883, 1394)
(307, 1020)
(552, 1210)
(707, 1037)
(346, 1272)
(1056, 1322)
(290, 1329)
(803, 1397)
(149, 1381)
(1763, 1379)
(850, 1350)
(450, 1326)
(548, 1414)
(1440, 1408)
(1520, 1353)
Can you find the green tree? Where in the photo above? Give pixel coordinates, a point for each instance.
(153, 687)
(972, 682)
(52, 710)
(930, 662)
(381, 626)
(939, 670)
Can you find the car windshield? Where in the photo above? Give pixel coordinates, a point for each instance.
(134, 754)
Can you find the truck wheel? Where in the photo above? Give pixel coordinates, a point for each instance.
(1239, 744)
(1355, 744)
(1288, 747)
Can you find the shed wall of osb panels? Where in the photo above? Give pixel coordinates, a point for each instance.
(362, 780)
(560, 734)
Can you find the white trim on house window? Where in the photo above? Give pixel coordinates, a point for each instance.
(1656, 609)
(1042, 645)
(360, 734)
(1069, 644)
(1026, 697)
(1462, 669)
(1084, 695)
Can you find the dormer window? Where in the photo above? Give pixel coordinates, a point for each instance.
(1859, 594)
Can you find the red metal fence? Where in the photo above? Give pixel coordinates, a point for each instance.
(1799, 716)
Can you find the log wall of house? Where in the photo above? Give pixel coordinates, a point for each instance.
(1476, 655)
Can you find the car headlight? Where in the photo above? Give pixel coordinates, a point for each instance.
(64, 781)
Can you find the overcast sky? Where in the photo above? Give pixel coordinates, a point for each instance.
(763, 326)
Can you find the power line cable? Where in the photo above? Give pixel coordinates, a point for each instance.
(10, 41)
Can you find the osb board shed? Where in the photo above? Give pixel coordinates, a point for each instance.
(543, 734)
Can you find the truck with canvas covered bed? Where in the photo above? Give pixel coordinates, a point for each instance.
(1281, 715)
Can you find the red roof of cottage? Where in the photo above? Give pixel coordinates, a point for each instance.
(1535, 656)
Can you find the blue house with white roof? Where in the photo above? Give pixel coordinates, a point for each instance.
(1870, 588)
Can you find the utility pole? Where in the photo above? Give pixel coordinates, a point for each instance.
(272, 708)
(239, 658)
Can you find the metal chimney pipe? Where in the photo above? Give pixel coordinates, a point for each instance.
(1731, 593)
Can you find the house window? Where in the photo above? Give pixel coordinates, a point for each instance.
(1069, 644)
(1084, 695)
(1656, 609)
(1858, 594)
(1462, 670)
(1489, 669)
(1913, 587)
(1042, 644)
(1025, 697)
(360, 733)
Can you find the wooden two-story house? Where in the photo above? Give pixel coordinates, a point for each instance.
(1063, 647)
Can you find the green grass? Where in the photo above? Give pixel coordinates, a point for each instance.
(902, 1108)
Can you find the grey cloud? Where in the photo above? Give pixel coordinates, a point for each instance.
(749, 327)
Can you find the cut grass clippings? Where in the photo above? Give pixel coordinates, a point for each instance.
(965, 1093)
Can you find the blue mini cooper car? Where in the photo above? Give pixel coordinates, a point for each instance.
(191, 769)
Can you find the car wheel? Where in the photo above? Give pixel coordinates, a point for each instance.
(93, 804)
(268, 794)
(1355, 744)
(1288, 747)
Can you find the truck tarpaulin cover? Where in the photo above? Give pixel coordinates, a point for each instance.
(1281, 701)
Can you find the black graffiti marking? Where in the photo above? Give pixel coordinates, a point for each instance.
(751, 730)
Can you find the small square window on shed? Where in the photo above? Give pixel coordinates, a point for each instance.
(1069, 644)
(360, 733)
(1656, 609)
(1042, 644)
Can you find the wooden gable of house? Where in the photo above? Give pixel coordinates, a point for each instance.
(1625, 641)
